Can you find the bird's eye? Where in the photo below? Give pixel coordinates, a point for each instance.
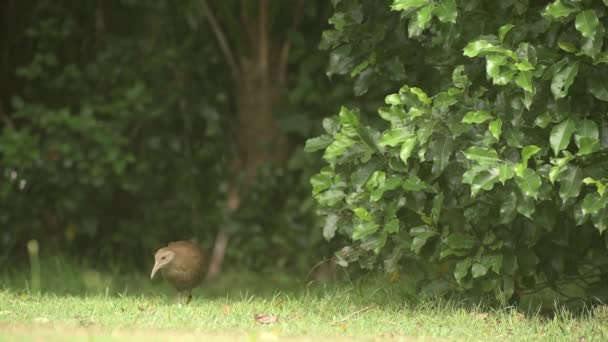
(163, 258)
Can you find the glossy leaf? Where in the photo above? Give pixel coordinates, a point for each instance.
(558, 10)
(395, 137)
(446, 11)
(484, 156)
(503, 30)
(318, 143)
(570, 182)
(527, 152)
(529, 182)
(400, 5)
(563, 79)
(407, 147)
(441, 150)
(495, 128)
(363, 229)
(586, 23)
(561, 135)
(476, 117)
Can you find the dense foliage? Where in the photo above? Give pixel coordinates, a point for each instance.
(118, 125)
(486, 171)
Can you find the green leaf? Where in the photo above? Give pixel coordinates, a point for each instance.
(422, 96)
(476, 117)
(508, 208)
(560, 164)
(421, 236)
(414, 183)
(593, 203)
(503, 30)
(331, 126)
(598, 87)
(473, 49)
(601, 187)
(337, 148)
(484, 180)
(527, 152)
(424, 16)
(494, 62)
(524, 81)
(407, 148)
(441, 150)
(444, 100)
(586, 23)
(446, 11)
(321, 181)
(461, 241)
(363, 214)
(395, 136)
(558, 10)
(495, 128)
(570, 182)
(461, 270)
(543, 120)
(524, 66)
(348, 117)
(363, 229)
(393, 99)
(505, 172)
(330, 197)
(317, 143)
(484, 156)
(478, 270)
(493, 262)
(437, 206)
(392, 183)
(561, 135)
(563, 79)
(459, 78)
(588, 145)
(567, 46)
(401, 5)
(377, 178)
(529, 182)
(586, 128)
(392, 226)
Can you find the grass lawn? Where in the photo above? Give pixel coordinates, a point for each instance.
(224, 311)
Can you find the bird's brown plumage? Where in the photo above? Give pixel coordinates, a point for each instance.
(181, 263)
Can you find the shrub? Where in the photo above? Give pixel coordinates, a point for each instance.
(487, 172)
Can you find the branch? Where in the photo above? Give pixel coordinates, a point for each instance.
(221, 39)
(284, 56)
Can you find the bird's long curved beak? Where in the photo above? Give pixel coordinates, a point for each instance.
(154, 270)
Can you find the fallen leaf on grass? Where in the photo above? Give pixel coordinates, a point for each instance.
(266, 319)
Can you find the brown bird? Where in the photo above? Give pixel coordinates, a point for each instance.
(180, 263)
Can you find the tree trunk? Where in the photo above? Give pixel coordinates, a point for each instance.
(259, 137)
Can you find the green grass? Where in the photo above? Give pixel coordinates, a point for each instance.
(129, 307)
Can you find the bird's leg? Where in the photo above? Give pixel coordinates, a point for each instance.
(179, 299)
(188, 297)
